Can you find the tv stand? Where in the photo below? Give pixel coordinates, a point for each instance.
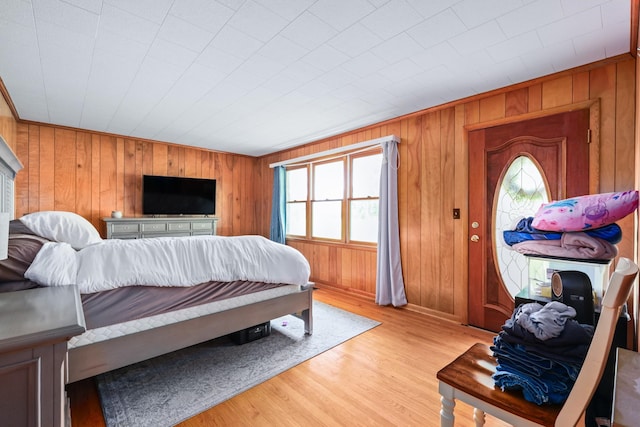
(144, 227)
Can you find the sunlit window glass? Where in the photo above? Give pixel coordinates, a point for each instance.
(364, 221)
(328, 181)
(296, 223)
(327, 220)
(297, 184)
(366, 176)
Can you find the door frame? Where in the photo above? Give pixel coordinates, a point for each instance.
(593, 105)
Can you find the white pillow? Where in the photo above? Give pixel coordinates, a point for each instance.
(56, 264)
(60, 226)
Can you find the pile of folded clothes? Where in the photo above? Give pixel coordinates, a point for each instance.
(595, 244)
(581, 227)
(540, 351)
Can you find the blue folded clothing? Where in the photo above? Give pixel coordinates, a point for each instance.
(523, 232)
(530, 389)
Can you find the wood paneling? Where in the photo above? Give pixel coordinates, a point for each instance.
(92, 174)
(433, 179)
(8, 125)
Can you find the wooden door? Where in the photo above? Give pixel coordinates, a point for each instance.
(558, 146)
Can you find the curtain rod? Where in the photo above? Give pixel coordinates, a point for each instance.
(338, 150)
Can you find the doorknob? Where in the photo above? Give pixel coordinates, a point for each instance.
(475, 238)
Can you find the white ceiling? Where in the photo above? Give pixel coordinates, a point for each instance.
(258, 76)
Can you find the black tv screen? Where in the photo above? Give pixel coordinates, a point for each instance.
(172, 195)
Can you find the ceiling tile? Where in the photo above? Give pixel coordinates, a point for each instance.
(575, 25)
(236, 43)
(309, 31)
(473, 13)
(530, 16)
(478, 38)
(437, 29)
(341, 14)
(152, 10)
(283, 50)
(209, 15)
(325, 58)
(515, 46)
(185, 34)
(431, 8)
(19, 12)
(288, 9)
(257, 21)
(172, 53)
(397, 48)
(127, 25)
(365, 64)
(398, 12)
(355, 40)
(67, 16)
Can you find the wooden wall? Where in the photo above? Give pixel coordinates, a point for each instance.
(8, 124)
(93, 174)
(433, 179)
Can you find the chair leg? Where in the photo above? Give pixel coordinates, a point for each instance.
(447, 403)
(478, 417)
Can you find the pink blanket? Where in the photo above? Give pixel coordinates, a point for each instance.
(571, 245)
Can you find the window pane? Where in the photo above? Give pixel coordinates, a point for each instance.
(327, 220)
(519, 195)
(297, 219)
(364, 220)
(366, 176)
(297, 184)
(328, 181)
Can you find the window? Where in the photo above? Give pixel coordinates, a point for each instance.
(335, 199)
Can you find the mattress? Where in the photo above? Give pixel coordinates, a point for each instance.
(104, 333)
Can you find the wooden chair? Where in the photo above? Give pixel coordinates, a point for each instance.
(468, 378)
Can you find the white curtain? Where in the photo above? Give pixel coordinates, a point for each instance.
(389, 282)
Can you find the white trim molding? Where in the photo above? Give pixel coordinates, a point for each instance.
(338, 150)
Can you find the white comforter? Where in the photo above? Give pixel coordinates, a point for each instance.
(168, 261)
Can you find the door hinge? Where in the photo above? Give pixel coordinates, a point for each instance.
(588, 136)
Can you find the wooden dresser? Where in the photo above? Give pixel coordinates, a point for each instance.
(141, 227)
(35, 325)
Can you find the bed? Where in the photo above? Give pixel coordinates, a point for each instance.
(127, 324)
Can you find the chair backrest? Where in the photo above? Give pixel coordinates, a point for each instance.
(617, 293)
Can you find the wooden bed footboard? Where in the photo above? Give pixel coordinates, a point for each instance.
(93, 359)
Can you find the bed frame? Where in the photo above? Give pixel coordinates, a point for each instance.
(92, 359)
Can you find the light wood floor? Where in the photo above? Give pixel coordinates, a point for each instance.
(384, 377)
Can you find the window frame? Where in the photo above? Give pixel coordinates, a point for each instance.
(347, 160)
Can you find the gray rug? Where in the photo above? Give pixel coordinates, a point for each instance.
(169, 389)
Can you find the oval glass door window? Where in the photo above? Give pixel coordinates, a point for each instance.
(519, 194)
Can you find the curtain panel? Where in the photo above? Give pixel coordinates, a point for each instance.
(278, 206)
(389, 280)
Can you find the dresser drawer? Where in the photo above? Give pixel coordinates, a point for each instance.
(125, 228)
(202, 226)
(153, 227)
(179, 226)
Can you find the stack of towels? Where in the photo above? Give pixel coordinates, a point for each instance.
(540, 351)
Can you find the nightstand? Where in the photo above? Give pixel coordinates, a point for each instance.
(35, 325)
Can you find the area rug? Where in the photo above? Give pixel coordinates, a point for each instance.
(168, 389)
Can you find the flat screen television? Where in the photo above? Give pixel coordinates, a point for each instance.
(172, 195)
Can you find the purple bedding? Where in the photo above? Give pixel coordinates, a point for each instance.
(135, 302)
